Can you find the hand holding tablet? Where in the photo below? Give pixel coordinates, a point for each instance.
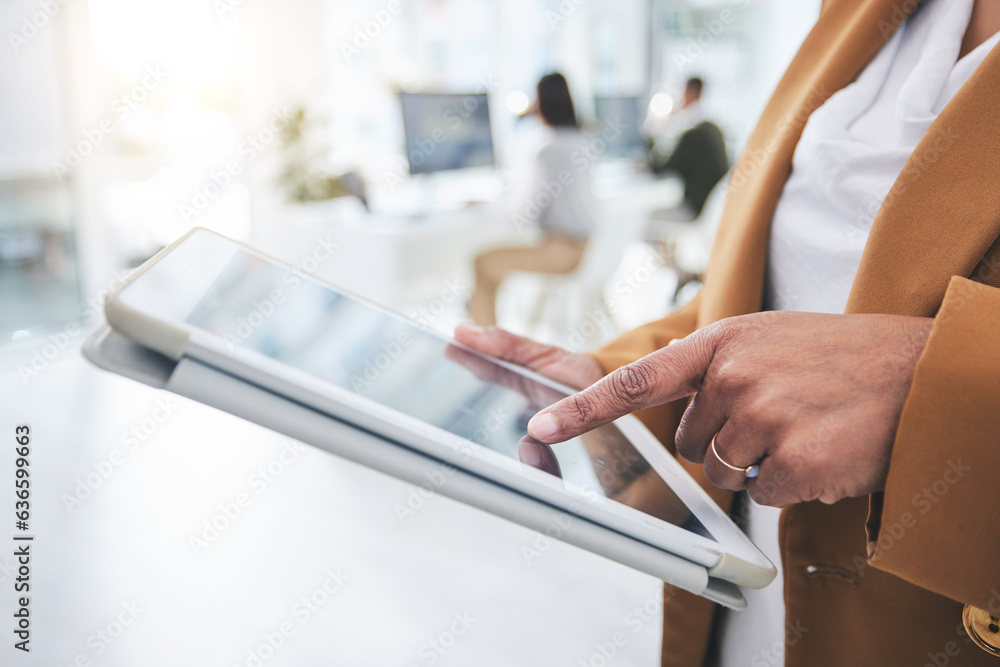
(321, 363)
(574, 370)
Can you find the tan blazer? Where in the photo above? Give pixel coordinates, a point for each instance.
(880, 580)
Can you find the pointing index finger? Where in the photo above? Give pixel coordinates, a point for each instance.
(666, 375)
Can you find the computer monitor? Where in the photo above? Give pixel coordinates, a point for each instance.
(446, 131)
(625, 113)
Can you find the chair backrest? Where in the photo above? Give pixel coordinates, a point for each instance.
(617, 227)
(711, 213)
(695, 248)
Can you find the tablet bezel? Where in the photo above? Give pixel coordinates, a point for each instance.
(732, 556)
(111, 351)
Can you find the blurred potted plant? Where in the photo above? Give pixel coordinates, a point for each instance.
(306, 176)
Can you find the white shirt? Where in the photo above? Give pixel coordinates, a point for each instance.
(560, 197)
(851, 152)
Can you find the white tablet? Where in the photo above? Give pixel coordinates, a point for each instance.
(232, 313)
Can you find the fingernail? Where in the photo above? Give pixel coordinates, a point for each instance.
(530, 455)
(472, 329)
(543, 426)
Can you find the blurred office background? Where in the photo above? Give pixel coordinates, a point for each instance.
(125, 122)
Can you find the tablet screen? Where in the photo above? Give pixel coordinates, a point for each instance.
(275, 311)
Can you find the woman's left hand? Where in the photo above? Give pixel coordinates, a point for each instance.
(813, 400)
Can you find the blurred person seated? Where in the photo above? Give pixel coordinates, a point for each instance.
(559, 201)
(694, 149)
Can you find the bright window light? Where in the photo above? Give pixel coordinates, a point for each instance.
(517, 102)
(661, 104)
(194, 41)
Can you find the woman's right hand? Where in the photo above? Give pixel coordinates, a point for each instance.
(576, 370)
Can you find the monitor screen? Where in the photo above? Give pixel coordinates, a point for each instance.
(625, 114)
(446, 131)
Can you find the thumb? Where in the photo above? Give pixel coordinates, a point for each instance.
(576, 370)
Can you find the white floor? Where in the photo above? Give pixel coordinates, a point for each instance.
(403, 585)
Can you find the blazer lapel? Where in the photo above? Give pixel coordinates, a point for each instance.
(846, 37)
(943, 213)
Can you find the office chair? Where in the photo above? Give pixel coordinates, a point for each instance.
(570, 309)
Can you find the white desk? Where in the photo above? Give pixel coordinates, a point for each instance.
(406, 261)
(419, 267)
(130, 542)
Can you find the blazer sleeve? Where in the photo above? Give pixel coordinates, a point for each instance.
(649, 338)
(937, 524)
